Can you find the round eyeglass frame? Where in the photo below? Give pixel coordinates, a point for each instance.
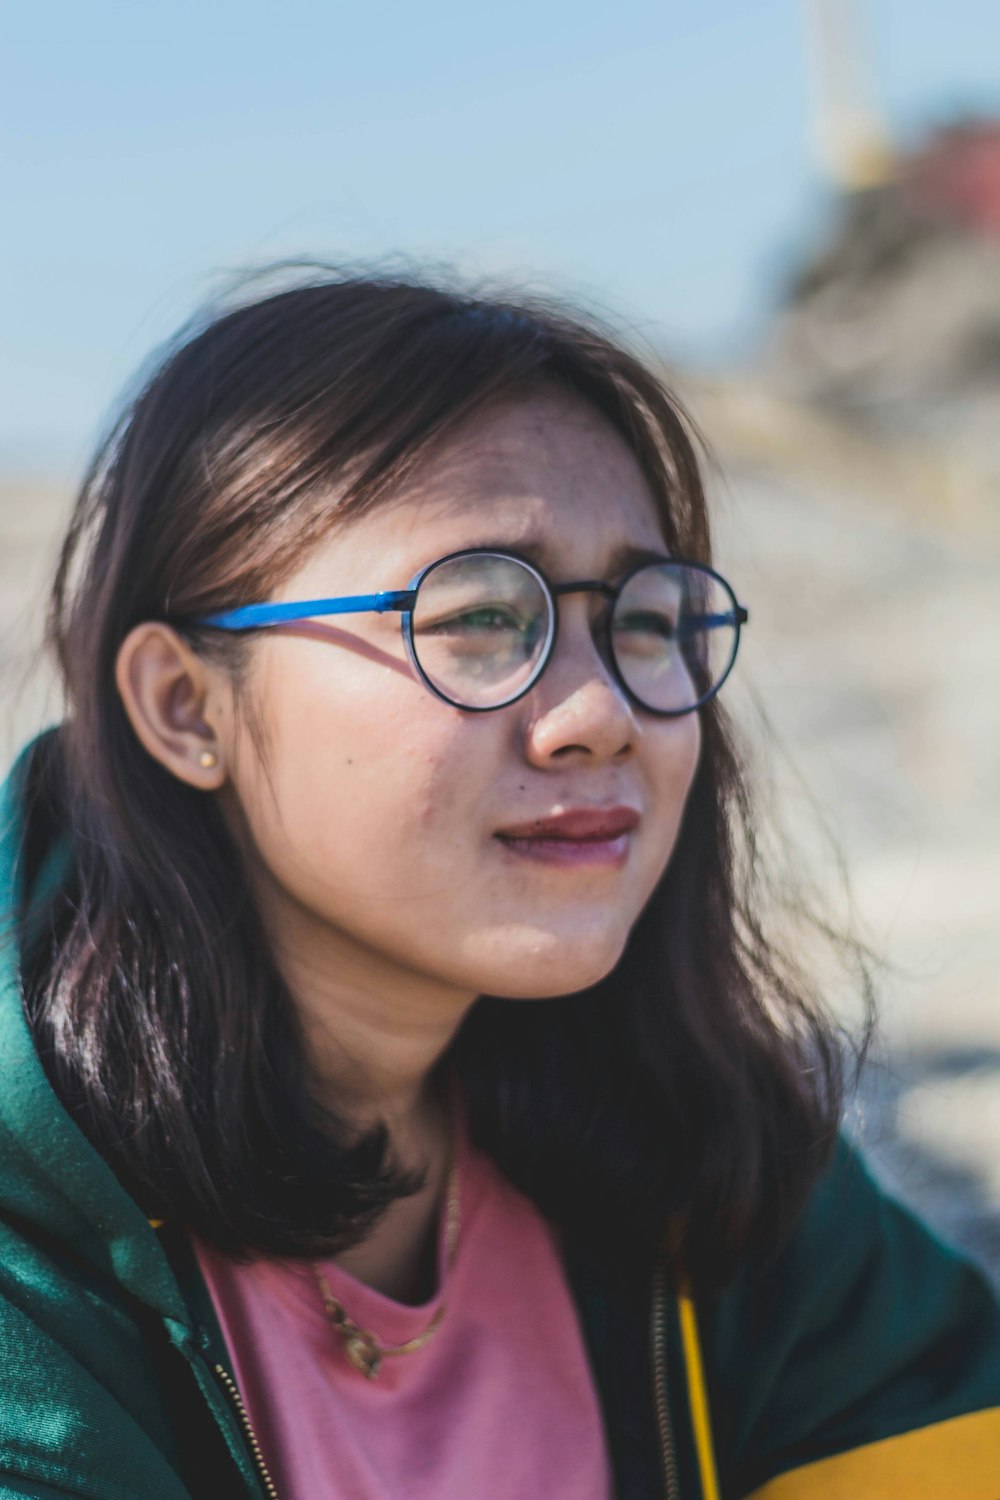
(553, 592)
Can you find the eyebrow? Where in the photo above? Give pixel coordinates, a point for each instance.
(539, 551)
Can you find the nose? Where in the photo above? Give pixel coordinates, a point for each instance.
(577, 709)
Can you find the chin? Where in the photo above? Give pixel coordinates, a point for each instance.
(541, 966)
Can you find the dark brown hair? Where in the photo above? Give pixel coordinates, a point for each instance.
(700, 1083)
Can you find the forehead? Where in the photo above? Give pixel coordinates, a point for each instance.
(546, 475)
(551, 445)
(550, 433)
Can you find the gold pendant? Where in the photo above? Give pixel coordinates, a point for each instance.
(363, 1352)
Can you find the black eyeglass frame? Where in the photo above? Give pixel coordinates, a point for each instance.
(261, 616)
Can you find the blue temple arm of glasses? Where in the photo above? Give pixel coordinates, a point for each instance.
(693, 623)
(250, 616)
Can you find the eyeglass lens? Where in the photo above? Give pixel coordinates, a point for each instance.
(480, 626)
(483, 623)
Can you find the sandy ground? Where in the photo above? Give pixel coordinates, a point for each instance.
(873, 646)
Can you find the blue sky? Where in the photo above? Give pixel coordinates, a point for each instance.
(656, 159)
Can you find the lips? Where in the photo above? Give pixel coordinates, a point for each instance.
(586, 825)
(585, 839)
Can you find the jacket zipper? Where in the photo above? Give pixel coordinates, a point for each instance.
(658, 1334)
(236, 1400)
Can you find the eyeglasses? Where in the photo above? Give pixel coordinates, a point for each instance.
(480, 626)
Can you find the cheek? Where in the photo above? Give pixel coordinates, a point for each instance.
(690, 753)
(355, 804)
(678, 752)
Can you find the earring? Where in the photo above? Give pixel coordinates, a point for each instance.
(208, 759)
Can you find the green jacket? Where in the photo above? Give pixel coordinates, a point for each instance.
(865, 1362)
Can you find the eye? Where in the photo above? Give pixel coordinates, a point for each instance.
(485, 618)
(647, 622)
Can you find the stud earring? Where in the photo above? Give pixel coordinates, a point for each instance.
(208, 759)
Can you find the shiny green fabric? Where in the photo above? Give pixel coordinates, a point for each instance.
(866, 1327)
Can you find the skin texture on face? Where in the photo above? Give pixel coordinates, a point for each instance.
(372, 819)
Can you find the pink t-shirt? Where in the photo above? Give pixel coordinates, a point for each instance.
(498, 1405)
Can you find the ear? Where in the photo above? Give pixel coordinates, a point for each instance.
(179, 707)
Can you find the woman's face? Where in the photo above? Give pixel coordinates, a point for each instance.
(376, 813)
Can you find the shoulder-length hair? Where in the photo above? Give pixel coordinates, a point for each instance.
(699, 1086)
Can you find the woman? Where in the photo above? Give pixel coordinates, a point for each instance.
(401, 1097)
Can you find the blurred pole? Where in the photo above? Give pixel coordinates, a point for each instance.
(853, 142)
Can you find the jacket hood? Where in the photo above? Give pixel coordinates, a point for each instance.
(52, 1181)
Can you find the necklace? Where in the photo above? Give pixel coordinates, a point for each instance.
(363, 1349)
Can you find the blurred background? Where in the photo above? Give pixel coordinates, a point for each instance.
(794, 205)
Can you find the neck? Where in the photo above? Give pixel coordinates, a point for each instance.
(374, 1031)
